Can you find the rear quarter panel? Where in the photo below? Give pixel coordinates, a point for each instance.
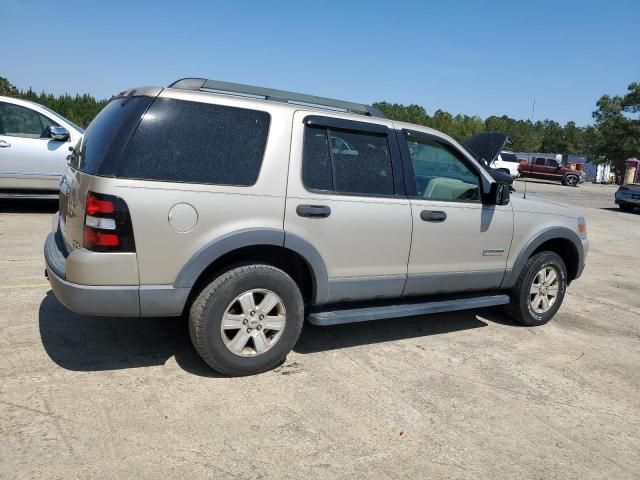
(161, 250)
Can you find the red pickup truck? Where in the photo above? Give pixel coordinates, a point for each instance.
(550, 169)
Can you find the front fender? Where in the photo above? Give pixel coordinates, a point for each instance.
(551, 233)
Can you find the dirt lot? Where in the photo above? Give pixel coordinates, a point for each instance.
(463, 395)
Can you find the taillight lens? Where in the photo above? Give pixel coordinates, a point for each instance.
(95, 238)
(107, 224)
(98, 205)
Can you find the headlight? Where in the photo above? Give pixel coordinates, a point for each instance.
(582, 228)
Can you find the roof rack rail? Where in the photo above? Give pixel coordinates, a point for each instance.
(228, 88)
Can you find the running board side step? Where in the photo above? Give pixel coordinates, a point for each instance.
(399, 310)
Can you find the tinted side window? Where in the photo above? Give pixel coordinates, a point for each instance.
(538, 161)
(182, 141)
(553, 164)
(316, 166)
(440, 172)
(19, 121)
(355, 162)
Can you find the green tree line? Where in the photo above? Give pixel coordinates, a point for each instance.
(614, 136)
(541, 136)
(80, 109)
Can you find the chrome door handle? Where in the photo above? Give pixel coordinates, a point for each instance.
(4, 144)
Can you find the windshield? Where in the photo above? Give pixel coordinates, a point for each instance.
(509, 157)
(80, 129)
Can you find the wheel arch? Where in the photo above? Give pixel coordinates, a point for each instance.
(289, 252)
(561, 240)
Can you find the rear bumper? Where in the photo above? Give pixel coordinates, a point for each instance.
(108, 300)
(117, 301)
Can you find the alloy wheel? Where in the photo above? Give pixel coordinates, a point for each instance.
(571, 180)
(544, 289)
(253, 322)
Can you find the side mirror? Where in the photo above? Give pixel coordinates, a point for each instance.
(498, 194)
(59, 134)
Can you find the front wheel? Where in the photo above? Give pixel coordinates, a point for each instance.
(247, 320)
(539, 291)
(571, 181)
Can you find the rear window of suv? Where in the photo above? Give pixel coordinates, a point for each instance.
(193, 142)
(107, 135)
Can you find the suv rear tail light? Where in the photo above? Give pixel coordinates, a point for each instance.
(97, 205)
(107, 224)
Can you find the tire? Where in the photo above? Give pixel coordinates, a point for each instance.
(571, 180)
(625, 207)
(223, 349)
(521, 308)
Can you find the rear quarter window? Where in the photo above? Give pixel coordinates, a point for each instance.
(193, 142)
(107, 135)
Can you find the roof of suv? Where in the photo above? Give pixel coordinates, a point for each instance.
(268, 94)
(253, 101)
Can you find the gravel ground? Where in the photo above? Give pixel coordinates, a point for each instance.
(461, 395)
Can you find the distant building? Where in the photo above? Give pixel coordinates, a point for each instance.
(632, 170)
(594, 173)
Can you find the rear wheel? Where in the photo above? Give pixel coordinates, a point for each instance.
(247, 320)
(539, 291)
(571, 181)
(625, 207)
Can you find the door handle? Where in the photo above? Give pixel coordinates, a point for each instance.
(313, 211)
(433, 216)
(4, 144)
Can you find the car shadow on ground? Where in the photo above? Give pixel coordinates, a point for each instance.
(86, 344)
(20, 205)
(618, 209)
(317, 339)
(521, 181)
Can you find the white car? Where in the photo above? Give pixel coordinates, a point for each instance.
(508, 163)
(34, 144)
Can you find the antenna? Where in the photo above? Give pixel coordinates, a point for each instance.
(533, 114)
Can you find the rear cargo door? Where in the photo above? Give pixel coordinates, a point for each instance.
(98, 154)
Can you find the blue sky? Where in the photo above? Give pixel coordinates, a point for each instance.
(467, 57)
